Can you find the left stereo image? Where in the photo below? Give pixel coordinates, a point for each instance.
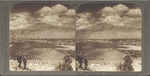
(42, 37)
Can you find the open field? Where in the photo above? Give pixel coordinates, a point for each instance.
(106, 55)
(42, 56)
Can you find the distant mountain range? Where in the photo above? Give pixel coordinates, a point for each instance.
(48, 31)
(43, 31)
(110, 33)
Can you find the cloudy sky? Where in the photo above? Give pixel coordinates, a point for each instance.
(95, 17)
(25, 15)
(106, 15)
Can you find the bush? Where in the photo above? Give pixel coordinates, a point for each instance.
(126, 66)
(66, 65)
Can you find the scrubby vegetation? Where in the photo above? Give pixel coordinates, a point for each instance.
(66, 65)
(127, 65)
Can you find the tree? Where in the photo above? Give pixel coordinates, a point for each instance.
(127, 65)
(66, 65)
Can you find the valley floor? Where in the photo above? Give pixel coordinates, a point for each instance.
(37, 65)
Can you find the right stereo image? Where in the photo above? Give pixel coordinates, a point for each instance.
(108, 37)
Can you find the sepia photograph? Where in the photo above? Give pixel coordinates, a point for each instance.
(53, 36)
(108, 37)
(42, 37)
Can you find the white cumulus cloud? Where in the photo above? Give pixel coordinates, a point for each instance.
(83, 20)
(57, 16)
(116, 16)
(134, 13)
(70, 13)
(118, 9)
(20, 20)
